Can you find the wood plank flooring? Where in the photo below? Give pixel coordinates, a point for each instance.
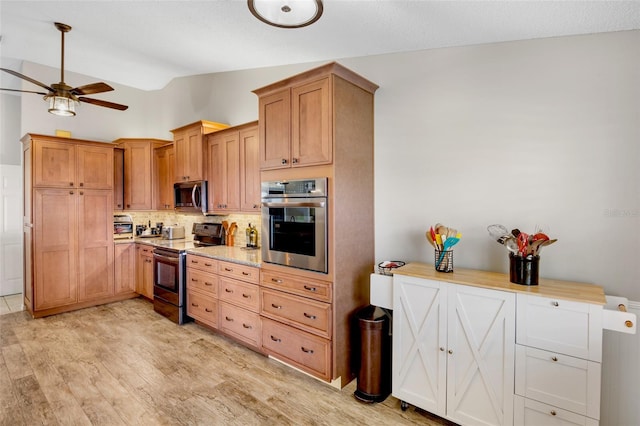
(123, 364)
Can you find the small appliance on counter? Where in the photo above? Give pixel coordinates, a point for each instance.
(173, 232)
(208, 234)
(122, 226)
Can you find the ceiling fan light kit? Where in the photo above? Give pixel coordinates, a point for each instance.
(61, 97)
(286, 13)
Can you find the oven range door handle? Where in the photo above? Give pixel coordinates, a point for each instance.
(294, 204)
(167, 258)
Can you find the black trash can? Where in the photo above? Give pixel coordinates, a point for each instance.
(374, 372)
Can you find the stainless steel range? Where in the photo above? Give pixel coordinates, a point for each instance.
(169, 270)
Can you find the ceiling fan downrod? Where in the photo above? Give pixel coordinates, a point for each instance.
(63, 28)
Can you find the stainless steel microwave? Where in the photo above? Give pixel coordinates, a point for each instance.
(190, 197)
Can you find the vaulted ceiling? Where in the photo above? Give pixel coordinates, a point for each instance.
(145, 44)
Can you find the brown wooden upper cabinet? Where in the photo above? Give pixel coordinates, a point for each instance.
(139, 185)
(164, 167)
(188, 142)
(233, 169)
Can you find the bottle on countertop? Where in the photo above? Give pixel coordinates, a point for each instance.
(253, 236)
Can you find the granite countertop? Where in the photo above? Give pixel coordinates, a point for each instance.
(241, 255)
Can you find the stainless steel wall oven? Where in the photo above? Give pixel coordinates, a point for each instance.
(294, 223)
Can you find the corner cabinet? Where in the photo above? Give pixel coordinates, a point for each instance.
(189, 145)
(453, 350)
(234, 170)
(68, 224)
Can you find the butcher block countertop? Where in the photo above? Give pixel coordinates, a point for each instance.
(566, 290)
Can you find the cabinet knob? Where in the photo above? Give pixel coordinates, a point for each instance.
(81, 192)
(119, 205)
(441, 349)
(294, 160)
(628, 323)
(450, 351)
(128, 206)
(70, 183)
(554, 303)
(71, 192)
(81, 184)
(284, 161)
(554, 358)
(553, 412)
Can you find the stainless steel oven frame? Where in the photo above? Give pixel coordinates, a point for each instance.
(169, 289)
(306, 194)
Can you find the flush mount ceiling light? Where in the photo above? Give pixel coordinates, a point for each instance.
(286, 13)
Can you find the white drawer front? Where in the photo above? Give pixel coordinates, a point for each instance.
(571, 328)
(563, 381)
(532, 413)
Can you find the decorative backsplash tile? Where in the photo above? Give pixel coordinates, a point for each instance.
(187, 220)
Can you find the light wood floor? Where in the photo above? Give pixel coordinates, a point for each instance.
(124, 364)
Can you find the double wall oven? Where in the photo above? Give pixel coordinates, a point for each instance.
(169, 270)
(294, 223)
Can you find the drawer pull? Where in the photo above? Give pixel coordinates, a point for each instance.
(246, 296)
(306, 287)
(246, 325)
(228, 291)
(276, 280)
(228, 319)
(195, 305)
(228, 269)
(195, 280)
(208, 310)
(194, 261)
(309, 316)
(208, 264)
(450, 351)
(275, 339)
(207, 283)
(305, 350)
(273, 305)
(246, 274)
(554, 358)
(553, 412)
(554, 303)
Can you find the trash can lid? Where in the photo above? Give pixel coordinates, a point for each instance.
(372, 313)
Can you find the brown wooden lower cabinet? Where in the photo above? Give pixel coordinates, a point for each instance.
(240, 323)
(125, 268)
(202, 307)
(144, 270)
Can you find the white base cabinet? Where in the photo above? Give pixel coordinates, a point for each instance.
(453, 350)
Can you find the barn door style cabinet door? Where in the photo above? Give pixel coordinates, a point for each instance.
(453, 350)
(68, 223)
(190, 155)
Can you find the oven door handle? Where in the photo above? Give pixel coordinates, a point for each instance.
(167, 258)
(294, 204)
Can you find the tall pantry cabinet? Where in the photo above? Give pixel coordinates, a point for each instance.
(68, 224)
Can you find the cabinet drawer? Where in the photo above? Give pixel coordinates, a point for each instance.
(532, 413)
(570, 328)
(202, 308)
(240, 324)
(319, 290)
(563, 381)
(240, 293)
(303, 350)
(197, 279)
(309, 315)
(246, 273)
(203, 263)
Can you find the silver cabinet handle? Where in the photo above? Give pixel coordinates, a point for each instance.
(305, 350)
(309, 316)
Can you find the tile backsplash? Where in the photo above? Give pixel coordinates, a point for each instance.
(187, 220)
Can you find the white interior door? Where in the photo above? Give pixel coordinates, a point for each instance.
(10, 229)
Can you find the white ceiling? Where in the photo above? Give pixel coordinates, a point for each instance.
(145, 44)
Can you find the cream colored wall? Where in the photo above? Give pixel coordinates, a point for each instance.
(187, 220)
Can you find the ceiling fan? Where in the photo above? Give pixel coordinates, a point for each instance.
(63, 98)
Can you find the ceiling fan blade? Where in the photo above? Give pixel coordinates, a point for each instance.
(25, 91)
(103, 103)
(29, 79)
(90, 89)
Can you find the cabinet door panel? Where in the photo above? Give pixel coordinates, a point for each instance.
(419, 342)
(250, 170)
(480, 365)
(124, 267)
(95, 244)
(528, 412)
(54, 164)
(138, 190)
(275, 130)
(194, 154)
(56, 279)
(311, 125)
(94, 167)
